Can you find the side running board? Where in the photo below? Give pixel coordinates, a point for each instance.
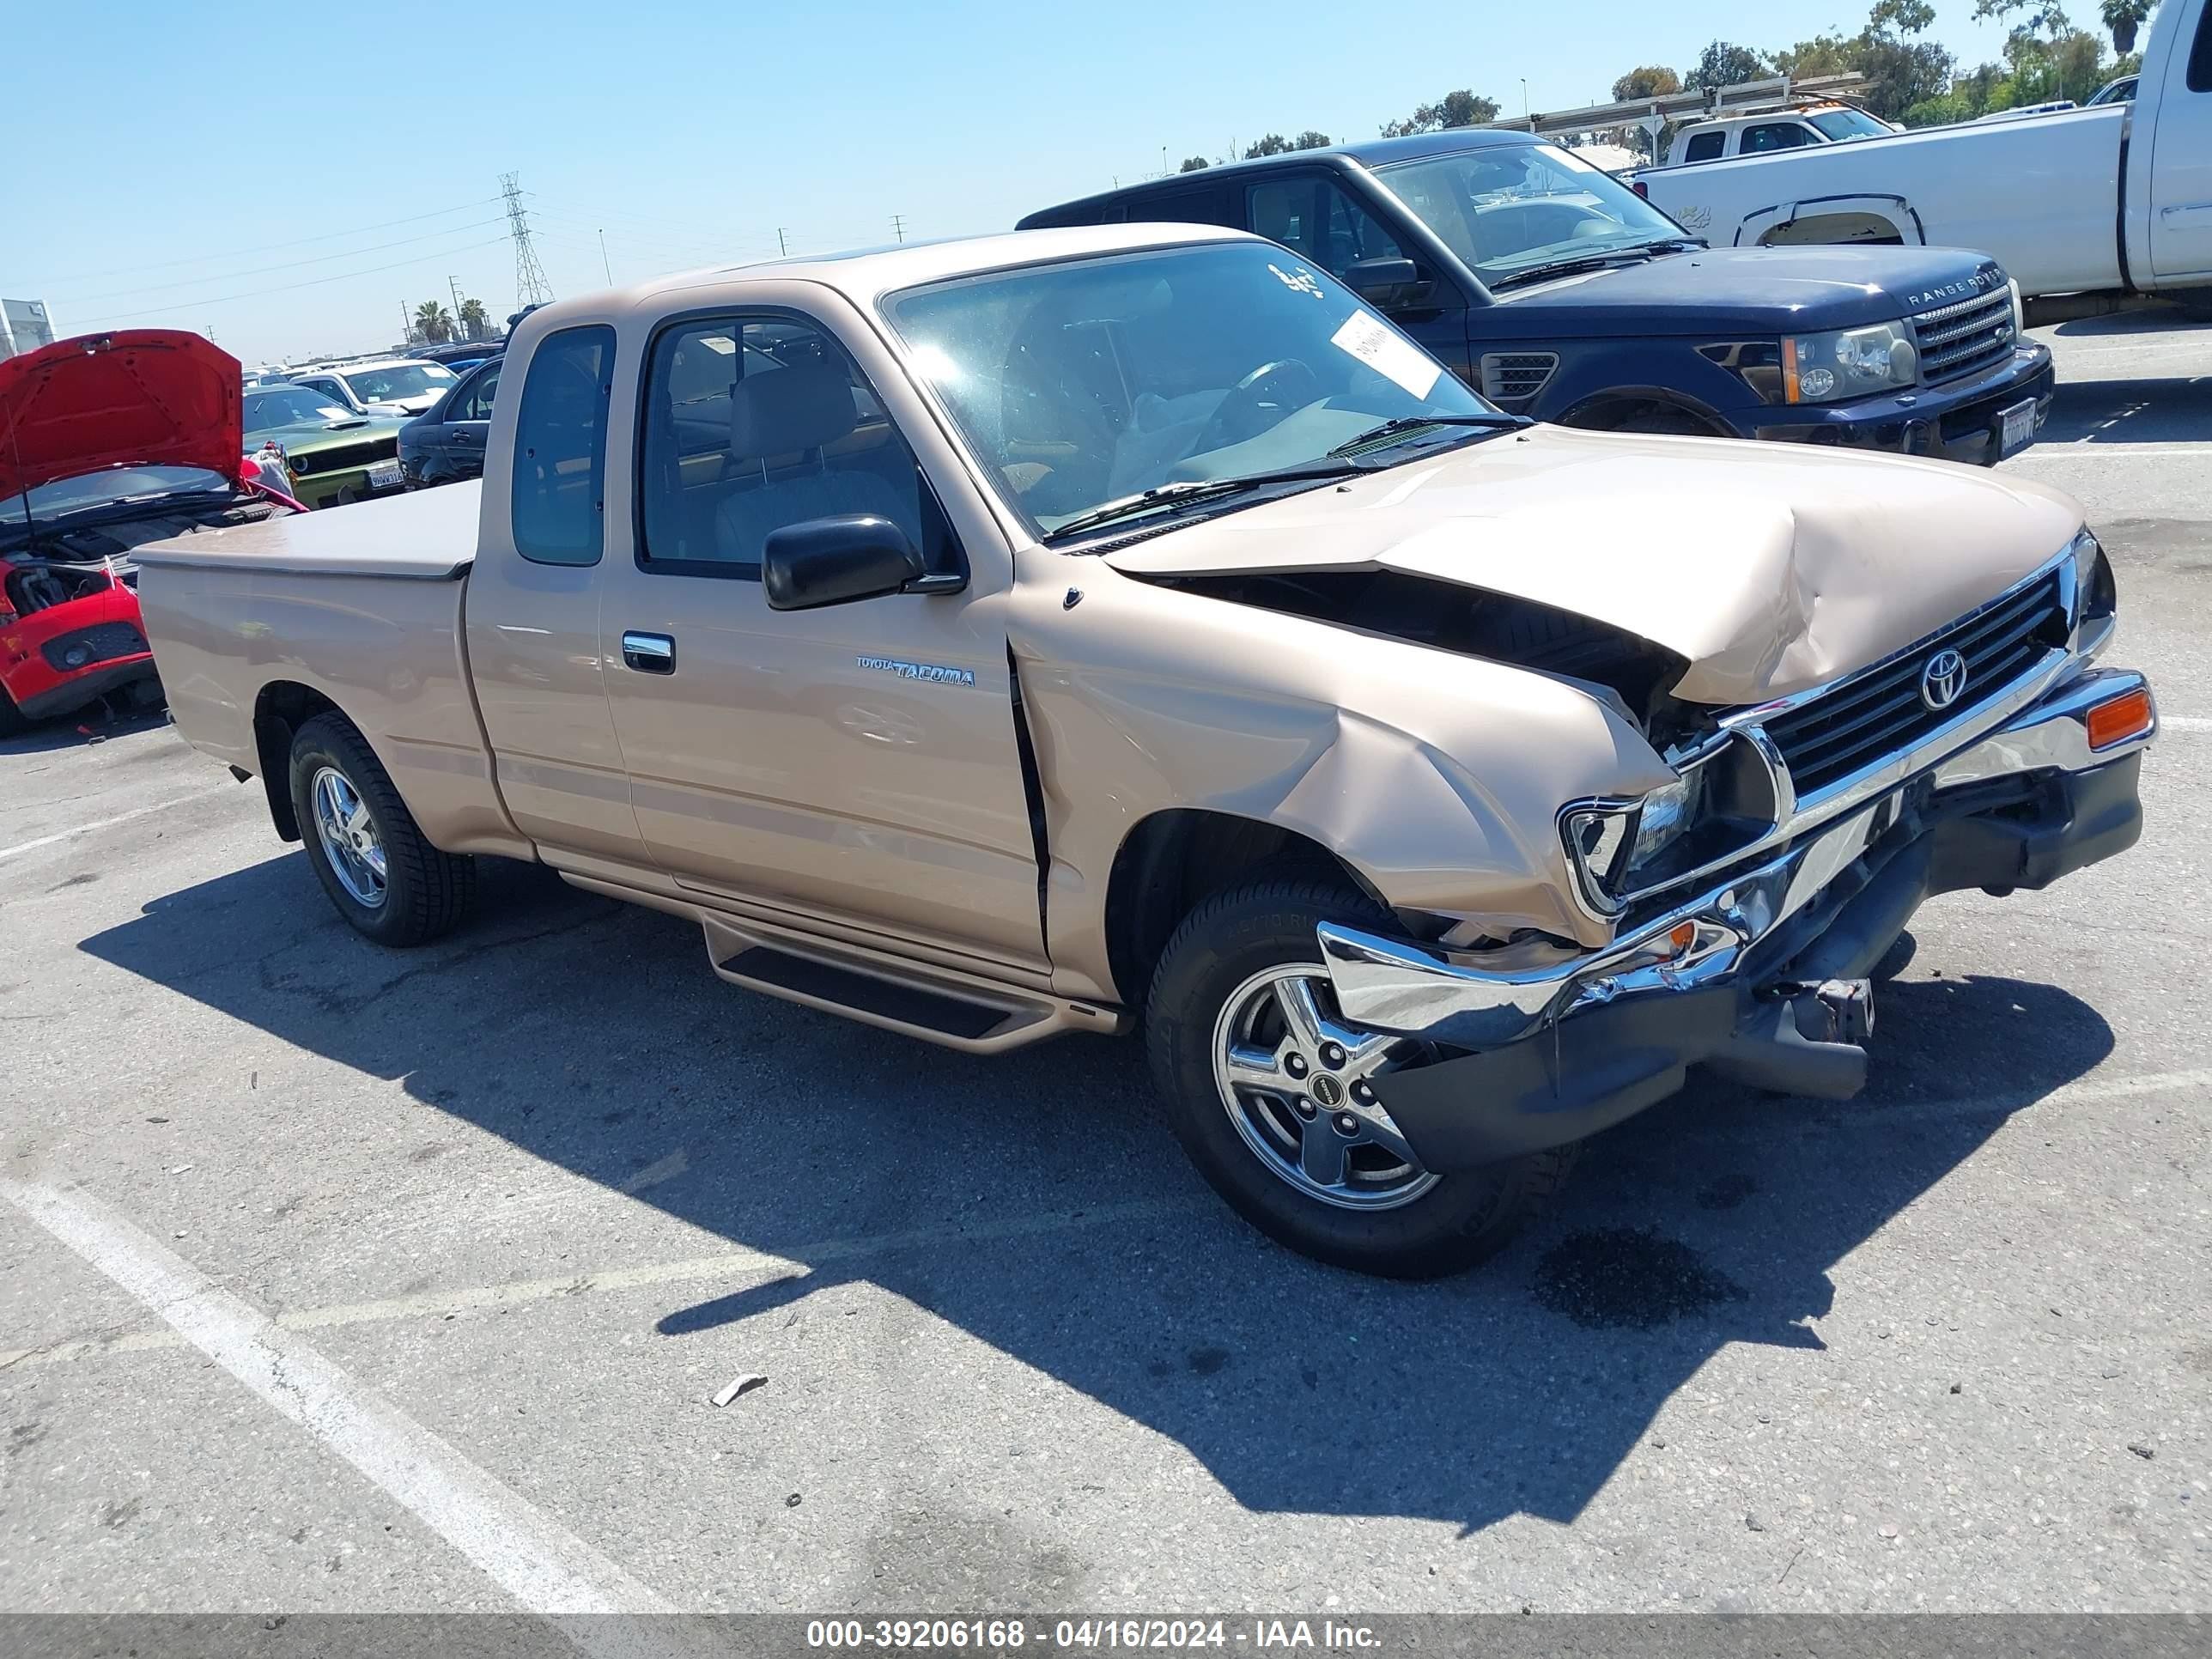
(936, 1005)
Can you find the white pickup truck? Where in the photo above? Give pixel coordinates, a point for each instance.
(2115, 197)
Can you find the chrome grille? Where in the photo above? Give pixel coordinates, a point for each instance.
(1513, 376)
(1961, 339)
(1879, 712)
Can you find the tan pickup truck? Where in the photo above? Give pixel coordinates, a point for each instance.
(1068, 630)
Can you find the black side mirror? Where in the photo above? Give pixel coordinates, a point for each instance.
(1384, 280)
(855, 556)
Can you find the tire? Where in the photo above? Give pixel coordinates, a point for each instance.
(1408, 1223)
(12, 721)
(424, 892)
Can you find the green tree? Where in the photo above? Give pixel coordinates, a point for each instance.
(1273, 144)
(1651, 81)
(1455, 109)
(1901, 74)
(2123, 18)
(1192, 164)
(1724, 63)
(1312, 138)
(475, 320)
(433, 322)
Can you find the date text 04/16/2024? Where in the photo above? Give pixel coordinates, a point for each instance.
(1004, 1635)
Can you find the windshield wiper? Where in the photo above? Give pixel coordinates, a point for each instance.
(1592, 261)
(1406, 423)
(1180, 491)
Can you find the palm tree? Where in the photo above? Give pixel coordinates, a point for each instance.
(433, 321)
(475, 322)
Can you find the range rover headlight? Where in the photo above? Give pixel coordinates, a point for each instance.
(1821, 369)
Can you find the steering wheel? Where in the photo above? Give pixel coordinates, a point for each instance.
(1258, 402)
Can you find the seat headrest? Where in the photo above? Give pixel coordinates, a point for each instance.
(776, 411)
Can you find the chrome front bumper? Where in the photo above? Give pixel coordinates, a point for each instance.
(1453, 997)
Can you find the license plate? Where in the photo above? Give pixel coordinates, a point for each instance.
(2015, 427)
(382, 475)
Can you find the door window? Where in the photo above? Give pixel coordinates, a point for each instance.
(1314, 216)
(1774, 135)
(1704, 146)
(560, 449)
(474, 403)
(2200, 55)
(754, 423)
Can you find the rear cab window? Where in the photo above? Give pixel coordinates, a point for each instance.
(559, 499)
(1704, 146)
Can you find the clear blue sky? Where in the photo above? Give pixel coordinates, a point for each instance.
(159, 154)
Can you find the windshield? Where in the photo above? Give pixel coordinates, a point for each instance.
(292, 406)
(400, 380)
(1842, 125)
(1084, 382)
(91, 489)
(1514, 208)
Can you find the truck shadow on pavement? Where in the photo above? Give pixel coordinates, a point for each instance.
(1035, 1202)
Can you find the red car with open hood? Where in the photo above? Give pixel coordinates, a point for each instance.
(107, 441)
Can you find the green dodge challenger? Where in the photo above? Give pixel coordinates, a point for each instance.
(331, 455)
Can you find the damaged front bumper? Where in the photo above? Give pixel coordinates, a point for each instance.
(1759, 976)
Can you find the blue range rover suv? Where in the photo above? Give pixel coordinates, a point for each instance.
(1557, 291)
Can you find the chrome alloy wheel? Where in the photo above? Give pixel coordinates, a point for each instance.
(1294, 1081)
(348, 836)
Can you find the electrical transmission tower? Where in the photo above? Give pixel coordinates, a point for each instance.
(531, 288)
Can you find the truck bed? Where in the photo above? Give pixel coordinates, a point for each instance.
(428, 535)
(258, 630)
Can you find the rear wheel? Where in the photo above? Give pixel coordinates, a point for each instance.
(1269, 1088)
(372, 860)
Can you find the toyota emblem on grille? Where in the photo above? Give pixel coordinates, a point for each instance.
(1944, 679)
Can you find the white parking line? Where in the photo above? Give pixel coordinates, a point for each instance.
(2106, 449)
(728, 1265)
(103, 823)
(2183, 723)
(540, 1562)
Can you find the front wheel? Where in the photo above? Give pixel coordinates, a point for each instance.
(1269, 1088)
(371, 858)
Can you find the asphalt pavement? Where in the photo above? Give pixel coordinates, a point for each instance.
(334, 1278)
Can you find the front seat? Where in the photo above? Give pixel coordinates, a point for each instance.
(797, 410)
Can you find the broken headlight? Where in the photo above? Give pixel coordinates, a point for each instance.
(1720, 802)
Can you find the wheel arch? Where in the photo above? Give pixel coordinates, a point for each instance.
(1615, 406)
(1174, 860)
(280, 709)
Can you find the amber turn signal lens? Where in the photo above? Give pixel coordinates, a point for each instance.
(2119, 720)
(1684, 936)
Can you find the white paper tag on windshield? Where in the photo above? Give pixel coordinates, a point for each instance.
(1390, 355)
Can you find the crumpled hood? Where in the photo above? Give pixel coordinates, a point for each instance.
(1770, 567)
(138, 397)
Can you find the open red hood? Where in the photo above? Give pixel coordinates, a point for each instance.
(139, 396)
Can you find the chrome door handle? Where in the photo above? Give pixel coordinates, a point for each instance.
(649, 654)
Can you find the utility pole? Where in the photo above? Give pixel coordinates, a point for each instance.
(531, 288)
(782, 246)
(898, 227)
(406, 324)
(1524, 97)
(603, 265)
(454, 288)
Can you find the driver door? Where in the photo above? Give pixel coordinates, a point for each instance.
(855, 765)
